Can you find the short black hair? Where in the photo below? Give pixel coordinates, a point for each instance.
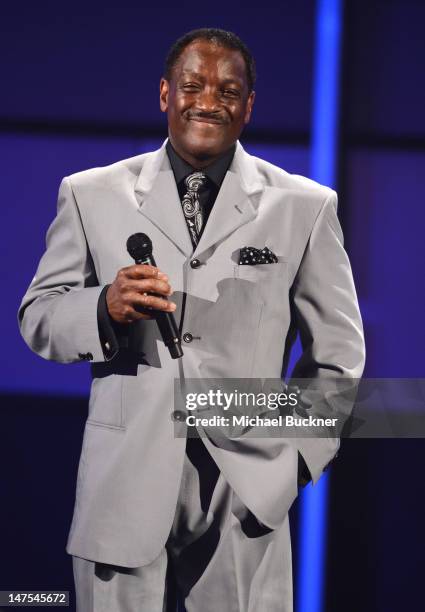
(219, 37)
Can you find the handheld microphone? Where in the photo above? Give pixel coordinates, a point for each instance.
(139, 247)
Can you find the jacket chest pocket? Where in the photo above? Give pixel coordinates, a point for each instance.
(263, 282)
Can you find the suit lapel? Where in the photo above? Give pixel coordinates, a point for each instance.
(159, 200)
(236, 203)
(231, 209)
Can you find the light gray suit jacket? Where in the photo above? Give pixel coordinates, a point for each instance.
(241, 317)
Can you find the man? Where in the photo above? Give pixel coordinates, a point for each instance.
(214, 512)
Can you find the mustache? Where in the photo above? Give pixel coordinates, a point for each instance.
(215, 116)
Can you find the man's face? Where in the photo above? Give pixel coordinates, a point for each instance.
(207, 101)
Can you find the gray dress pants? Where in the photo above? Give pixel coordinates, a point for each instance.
(218, 557)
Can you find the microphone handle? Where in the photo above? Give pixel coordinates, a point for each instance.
(165, 320)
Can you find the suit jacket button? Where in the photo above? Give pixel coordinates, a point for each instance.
(195, 263)
(178, 415)
(187, 337)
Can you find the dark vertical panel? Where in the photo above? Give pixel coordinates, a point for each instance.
(386, 52)
(376, 553)
(386, 217)
(39, 457)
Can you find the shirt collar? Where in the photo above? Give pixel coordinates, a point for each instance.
(215, 171)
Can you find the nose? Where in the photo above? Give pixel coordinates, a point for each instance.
(207, 100)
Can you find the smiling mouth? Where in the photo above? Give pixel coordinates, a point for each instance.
(208, 120)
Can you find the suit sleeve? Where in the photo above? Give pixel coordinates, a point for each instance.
(327, 316)
(113, 336)
(58, 316)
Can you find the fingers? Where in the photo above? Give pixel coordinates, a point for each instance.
(136, 292)
(151, 301)
(138, 271)
(141, 303)
(146, 306)
(150, 285)
(143, 279)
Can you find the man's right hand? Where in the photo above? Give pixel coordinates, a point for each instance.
(128, 298)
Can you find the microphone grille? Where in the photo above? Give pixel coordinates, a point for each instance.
(139, 246)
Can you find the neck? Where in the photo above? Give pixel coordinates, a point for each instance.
(197, 162)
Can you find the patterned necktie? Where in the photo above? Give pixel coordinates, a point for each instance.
(191, 206)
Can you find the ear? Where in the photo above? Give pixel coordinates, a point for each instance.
(249, 105)
(164, 88)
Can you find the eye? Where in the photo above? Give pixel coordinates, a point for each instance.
(190, 87)
(230, 93)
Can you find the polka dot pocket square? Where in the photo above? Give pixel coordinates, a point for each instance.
(250, 256)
